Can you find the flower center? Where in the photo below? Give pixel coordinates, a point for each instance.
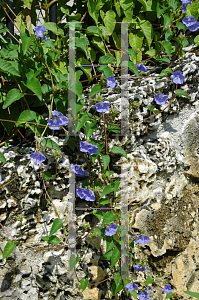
(55, 121)
(160, 96)
(178, 76)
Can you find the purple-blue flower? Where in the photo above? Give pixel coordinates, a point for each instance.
(86, 194)
(160, 98)
(89, 195)
(111, 229)
(194, 27)
(184, 4)
(38, 157)
(167, 289)
(61, 117)
(80, 192)
(102, 106)
(110, 81)
(86, 147)
(178, 77)
(92, 149)
(188, 21)
(142, 239)
(143, 295)
(78, 170)
(141, 67)
(131, 286)
(39, 30)
(54, 121)
(138, 268)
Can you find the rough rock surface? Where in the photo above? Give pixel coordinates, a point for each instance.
(163, 177)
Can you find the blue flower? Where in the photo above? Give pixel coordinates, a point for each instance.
(102, 106)
(188, 21)
(86, 194)
(78, 170)
(86, 147)
(194, 27)
(178, 77)
(143, 295)
(38, 157)
(39, 30)
(141, 67)
(80, 192)
(111, 229)
(160, 98)
(110, 81)
(142, 239)
(92, 149)
(184, 4)
(89, 195)
(167, 289)
(61, 117)
(131, 286)
(138, 268)
(54, 121)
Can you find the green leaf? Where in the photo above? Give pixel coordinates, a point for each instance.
(115, 256)
(180, 26)
(106, 160)
(12, 96)
(196, 295)
(90, 129)
(167, 20)
(109, 21)
(174, 4)
(26, 41)
(119, 150)
(116, 184)
(196, 40)
(181, 92)
(48, 143)
(27, 3)
(143, 2)
(108, 217)
(27, 115)
(91, 30)
(127, 9)
(107, 255)
(9, 247)
(99, 44)
(160, 9)
(73, 261)
(107, 71)
(80, 122)
(95, 90)
(131, 66)
(2, 158)
(147, 29)
(167, 46)
(57, 224)
(8, 67)
(53, 27)
(84, 283)
(34, 85)
(51, 239)
(98, 214)
(47, 175)
(106, 60)
(109, 244)
(149, 280)
(108, 189)
(170, 295)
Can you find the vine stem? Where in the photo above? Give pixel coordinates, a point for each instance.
(48, 194)
(8, 233)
